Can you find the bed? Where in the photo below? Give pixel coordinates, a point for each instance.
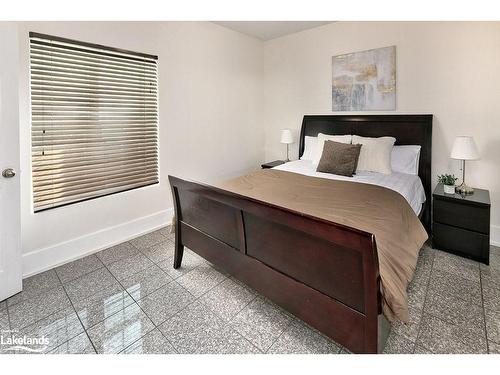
(408, 185)
(323, 271)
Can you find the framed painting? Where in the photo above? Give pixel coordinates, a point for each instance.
(364, 81)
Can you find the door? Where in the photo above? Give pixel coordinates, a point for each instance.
(10, 195)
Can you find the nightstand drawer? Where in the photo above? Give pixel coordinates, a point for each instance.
(470, 244)
(462, 215)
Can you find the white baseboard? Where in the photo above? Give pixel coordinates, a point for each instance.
(44, 259)
(495, 235)
(49, 257)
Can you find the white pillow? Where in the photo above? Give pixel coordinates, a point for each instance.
(404, 159)
(321, 142)
(310, 144)
(375, 154)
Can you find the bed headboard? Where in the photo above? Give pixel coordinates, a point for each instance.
(407, 129)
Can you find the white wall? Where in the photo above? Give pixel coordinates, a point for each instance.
(449, 69)
(210, 103)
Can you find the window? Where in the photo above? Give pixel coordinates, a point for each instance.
(94, 126)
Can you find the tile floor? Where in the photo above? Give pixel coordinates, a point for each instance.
(129, 299)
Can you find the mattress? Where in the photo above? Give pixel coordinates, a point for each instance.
(408, 185)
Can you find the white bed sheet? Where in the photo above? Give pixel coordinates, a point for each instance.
(408, 185)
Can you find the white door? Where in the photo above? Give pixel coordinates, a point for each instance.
(10, 203)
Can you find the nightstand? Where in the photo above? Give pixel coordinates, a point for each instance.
(272, 164)
(461, 224)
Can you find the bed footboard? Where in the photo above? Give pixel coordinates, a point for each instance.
(324, 273)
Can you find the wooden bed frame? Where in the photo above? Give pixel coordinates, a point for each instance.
(324, 273)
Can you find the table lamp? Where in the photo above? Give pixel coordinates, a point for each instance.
(286, 138)
(464, 148)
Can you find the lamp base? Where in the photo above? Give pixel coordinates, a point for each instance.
(464, 189)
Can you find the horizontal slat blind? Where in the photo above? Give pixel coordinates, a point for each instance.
(94, 120)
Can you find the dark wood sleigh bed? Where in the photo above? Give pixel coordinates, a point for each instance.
(324, 273)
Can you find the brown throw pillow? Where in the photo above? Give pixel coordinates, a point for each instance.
(339, 158)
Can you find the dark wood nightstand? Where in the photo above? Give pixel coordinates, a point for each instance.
(461, 224)
(272, 164)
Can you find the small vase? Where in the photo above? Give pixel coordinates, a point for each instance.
(449, 189)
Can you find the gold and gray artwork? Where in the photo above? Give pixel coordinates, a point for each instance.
(364, 81)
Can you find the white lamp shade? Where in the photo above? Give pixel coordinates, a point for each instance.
(286, 136)
(464, 148)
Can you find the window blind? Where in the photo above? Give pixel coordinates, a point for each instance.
(94, 120)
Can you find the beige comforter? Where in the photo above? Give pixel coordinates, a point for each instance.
(374, 209)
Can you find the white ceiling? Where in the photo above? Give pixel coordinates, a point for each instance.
(266, 30)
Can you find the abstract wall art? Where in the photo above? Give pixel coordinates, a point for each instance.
(364, 81)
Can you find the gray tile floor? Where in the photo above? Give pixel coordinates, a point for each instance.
(129, 299)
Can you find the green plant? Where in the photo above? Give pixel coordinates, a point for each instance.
(447, 179)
